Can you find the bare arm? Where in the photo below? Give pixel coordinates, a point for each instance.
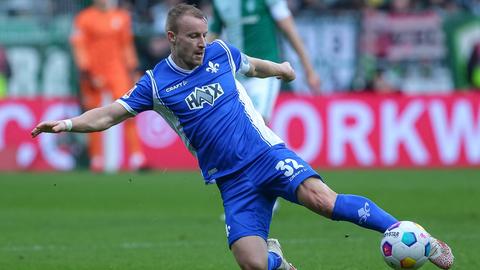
(287, 25)
(263, 68)
(97, 119)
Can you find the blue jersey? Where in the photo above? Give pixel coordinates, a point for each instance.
(208, 108)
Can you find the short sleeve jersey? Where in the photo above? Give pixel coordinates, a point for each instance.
(208, 108)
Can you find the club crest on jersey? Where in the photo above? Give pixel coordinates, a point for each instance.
(212, 67)
(205, 94)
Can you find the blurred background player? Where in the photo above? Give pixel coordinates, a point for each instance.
(254, 27)
(106, 59)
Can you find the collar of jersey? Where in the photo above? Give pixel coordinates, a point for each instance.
(176, 68)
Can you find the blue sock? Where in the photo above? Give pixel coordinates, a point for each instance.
(363, 212)
(274, 260)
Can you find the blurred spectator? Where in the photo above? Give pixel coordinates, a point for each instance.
(27, 7)
(407, 47)
(159, 13)
(65, 7)
(105, 55)
(205, 5)
(5, 72)
(155, 46)
(381, 83)
(295, 6)
(401, 6)
(443, 7)
(375, 4)
(472, 6)
(154, 49)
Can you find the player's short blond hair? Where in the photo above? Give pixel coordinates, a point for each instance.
(176, 12)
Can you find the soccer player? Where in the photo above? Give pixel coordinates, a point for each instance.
(104, 52)
(255, 27)
(195, 90)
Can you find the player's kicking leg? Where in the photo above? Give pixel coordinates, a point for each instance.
(318, 197)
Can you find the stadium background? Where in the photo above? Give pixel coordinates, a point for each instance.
(398, 121)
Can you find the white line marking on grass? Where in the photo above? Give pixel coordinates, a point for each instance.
(33, 248)
(125, 245)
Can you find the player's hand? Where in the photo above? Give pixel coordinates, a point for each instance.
(287, 72)
(49, 127)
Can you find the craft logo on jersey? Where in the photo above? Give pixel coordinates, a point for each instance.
(176, 86)
(205, 94)
(212, 67)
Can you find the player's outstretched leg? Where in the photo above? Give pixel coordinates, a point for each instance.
(441, 254)
(276, 260)
(362, 211)
(318, 197)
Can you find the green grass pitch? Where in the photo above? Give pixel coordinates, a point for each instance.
(171, 220)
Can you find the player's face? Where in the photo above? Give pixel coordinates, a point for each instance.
(190, 41)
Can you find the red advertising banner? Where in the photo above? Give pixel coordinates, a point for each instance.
(382, 131)
(18, 151)
(338, 131)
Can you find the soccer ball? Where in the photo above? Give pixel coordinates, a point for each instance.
(405, 245)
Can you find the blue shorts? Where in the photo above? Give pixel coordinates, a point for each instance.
(249, 195)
